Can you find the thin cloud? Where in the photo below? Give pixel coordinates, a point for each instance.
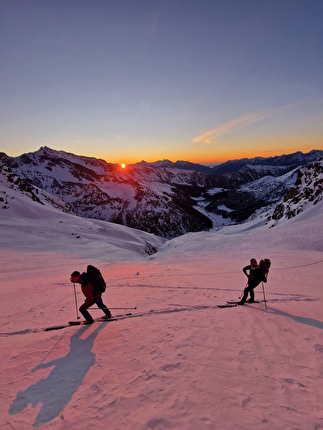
(213, 135)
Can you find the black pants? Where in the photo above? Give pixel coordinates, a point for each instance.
(248, 290)
(99, 303)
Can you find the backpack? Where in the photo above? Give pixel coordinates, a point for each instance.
(265, 265)
(94, 277)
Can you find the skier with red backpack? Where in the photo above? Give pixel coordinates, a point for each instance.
(93, 285)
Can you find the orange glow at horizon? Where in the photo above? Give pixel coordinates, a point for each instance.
(207, 155)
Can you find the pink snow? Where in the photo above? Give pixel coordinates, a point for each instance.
(178, 362)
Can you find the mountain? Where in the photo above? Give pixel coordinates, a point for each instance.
(30, 215)
(156, 197)
(291, 160)
(11, 181)
(153, 200)
(284, 196)
(167, 164)
(307, 191)
(256, 191)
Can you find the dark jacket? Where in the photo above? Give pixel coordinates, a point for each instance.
(257, 275)
(87, 290)
(248, 268)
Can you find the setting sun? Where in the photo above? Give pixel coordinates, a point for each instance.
(123, 166)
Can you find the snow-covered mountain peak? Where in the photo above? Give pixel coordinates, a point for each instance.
(306, 192)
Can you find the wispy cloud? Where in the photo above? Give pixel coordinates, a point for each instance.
(213, 135)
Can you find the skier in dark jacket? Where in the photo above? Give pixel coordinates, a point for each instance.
(91, 297)
(257, 274)
(252, 266)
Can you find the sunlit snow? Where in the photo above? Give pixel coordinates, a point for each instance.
(178, 362)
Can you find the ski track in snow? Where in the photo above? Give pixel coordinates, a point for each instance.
(178, 308)
(180, 366)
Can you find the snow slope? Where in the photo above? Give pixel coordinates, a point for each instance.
(178, 362)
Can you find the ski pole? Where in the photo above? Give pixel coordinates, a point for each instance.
(77, 314)
(244, 289)
(95, 309)
(263, 290)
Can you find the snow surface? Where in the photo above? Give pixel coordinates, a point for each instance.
(178, 362)
(269, 187)
(218, 221)
(216, 190)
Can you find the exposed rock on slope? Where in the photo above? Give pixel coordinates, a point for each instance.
(308, 190)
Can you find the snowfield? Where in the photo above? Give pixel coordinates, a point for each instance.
(179, 361)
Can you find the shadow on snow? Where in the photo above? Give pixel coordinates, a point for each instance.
(57, 390)
(307, 321)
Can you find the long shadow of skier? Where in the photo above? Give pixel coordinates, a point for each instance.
(308, 321)
(56, 391)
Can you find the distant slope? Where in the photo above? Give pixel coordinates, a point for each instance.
(306, 193)
(30, 217)
(230, 166)
(167, 164)
(291, 160)
(291, 191)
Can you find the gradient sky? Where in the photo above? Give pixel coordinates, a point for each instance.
(126, 80)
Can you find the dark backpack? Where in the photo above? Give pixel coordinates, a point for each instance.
(94, 277)
(265, 265)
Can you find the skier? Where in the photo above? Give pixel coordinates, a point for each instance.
(251, 267)
(90, 299)
(257, 274)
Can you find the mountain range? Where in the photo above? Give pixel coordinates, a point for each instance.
(165, 198)
(295, 159)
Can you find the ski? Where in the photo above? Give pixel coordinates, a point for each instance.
(95, 320)
(231, 302)
(71, 323)
(113, 318)
(55, 327)
(228, 305)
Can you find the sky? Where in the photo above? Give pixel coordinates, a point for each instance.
(203, 81)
